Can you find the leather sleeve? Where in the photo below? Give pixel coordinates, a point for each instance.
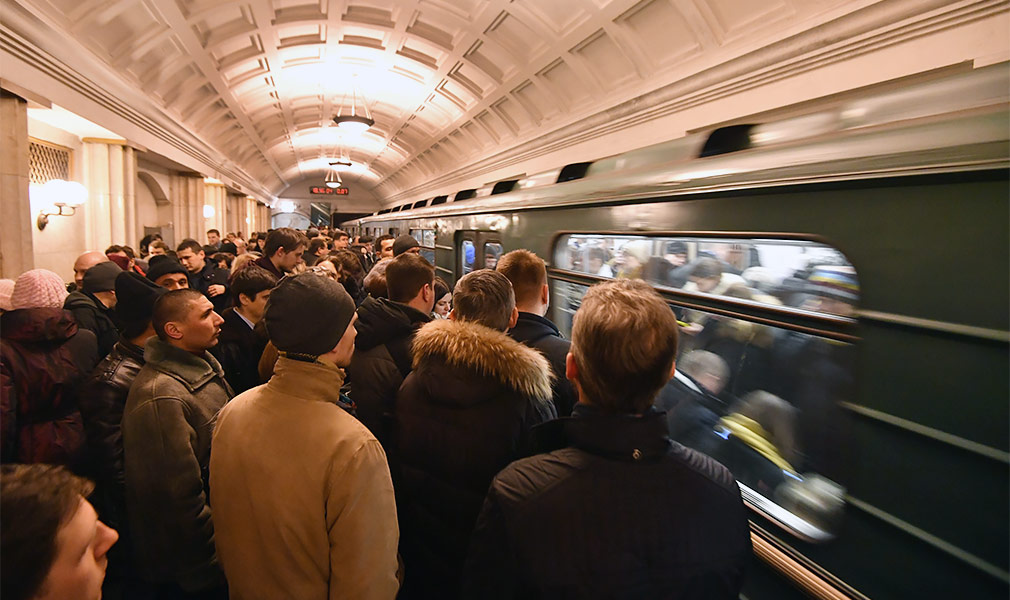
(165, 482)
(101, 403)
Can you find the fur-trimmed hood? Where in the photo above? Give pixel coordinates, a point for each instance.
(482, 350)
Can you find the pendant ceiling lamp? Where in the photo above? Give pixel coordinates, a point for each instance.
(342, 159)
(355, 119)
(332, 179)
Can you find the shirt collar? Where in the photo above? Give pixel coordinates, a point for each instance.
(247, 321)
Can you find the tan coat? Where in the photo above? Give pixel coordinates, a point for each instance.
(303, 501)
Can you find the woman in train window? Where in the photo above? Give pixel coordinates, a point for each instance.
(756, 442)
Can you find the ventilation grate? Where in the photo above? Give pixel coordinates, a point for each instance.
(47, 161)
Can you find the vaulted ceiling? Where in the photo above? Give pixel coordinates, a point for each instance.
(448, 82)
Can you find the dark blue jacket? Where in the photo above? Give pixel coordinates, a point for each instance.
(619, 511)
(540, 334)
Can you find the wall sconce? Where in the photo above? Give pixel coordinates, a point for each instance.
(208, 211)
(63, 196)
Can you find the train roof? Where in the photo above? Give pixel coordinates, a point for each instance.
(957, 123)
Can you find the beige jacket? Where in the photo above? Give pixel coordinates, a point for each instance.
(303, 501)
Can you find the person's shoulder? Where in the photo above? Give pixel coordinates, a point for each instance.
(529, 477)
(708, 473)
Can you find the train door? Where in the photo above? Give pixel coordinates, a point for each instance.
(477, 250)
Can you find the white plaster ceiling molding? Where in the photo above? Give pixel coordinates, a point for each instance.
(457, 88)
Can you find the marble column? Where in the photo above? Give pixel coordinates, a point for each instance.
(16, 246)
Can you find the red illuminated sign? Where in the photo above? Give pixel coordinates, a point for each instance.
(327, 191)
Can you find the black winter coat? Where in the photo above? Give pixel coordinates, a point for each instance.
(381, 360)
(539, 333)
(239, 349)
(462, 415)
(211, 275)
(102, 401)
(691, 411)
(619, 511)
(92, 315)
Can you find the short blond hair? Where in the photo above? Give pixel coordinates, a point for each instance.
(624, 341)
(526, 271)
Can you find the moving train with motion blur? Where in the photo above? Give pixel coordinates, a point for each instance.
(894, 204)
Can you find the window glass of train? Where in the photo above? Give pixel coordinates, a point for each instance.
(492, 251)
(764, 402)
(428, 254)
(794, 273)
(427, 238)
(467, 255)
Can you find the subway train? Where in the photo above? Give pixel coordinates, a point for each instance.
(896, 383)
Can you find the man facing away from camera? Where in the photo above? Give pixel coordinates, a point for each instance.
(614, 508)
(303, 501)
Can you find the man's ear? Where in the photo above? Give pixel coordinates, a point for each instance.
(514, 317)
(452, 315)
(172, 330)
(427, 292)
(545, 295)
(673, 369)
(571, 370)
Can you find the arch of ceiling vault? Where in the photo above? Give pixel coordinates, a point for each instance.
(458, 88)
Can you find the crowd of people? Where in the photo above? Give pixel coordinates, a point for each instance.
(300, 415)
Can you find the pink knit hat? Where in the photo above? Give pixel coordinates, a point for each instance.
(6, 288)
(39, 288)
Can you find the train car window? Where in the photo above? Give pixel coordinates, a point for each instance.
(426, 239)
(468, 254)
(798, 274)
(492, 252)
(765, 402)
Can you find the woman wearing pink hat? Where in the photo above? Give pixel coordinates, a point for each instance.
(44, 358)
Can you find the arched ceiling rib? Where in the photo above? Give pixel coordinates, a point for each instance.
(448, 82)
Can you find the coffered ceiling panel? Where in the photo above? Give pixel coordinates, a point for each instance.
(448, 82)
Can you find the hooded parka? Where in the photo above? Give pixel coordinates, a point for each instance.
(45, 357)
(462, 415)
(381, 359)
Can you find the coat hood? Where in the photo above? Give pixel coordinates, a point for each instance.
(38, 325)
(381, 320)
(484, 351)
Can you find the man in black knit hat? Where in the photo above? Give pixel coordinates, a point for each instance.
(168, 273)
(94, 304)
(102, 401)
(324, 521)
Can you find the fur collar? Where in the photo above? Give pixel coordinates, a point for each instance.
(478, 348)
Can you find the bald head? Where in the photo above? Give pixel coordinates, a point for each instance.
(85, 262)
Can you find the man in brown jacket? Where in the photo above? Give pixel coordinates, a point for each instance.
(167, 424)
(303, 501)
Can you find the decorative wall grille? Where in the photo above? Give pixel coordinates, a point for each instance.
(48, 161)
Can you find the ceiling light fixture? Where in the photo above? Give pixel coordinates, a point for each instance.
(356, 119)
(332, 179)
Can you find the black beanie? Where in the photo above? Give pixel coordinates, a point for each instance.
(308, 314)
(228, 247)
(403, 243)
(163, 265)
(135, 297)
(101, 277)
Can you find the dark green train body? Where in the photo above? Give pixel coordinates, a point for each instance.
(917, 202)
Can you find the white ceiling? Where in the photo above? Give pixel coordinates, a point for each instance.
(449, 82)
